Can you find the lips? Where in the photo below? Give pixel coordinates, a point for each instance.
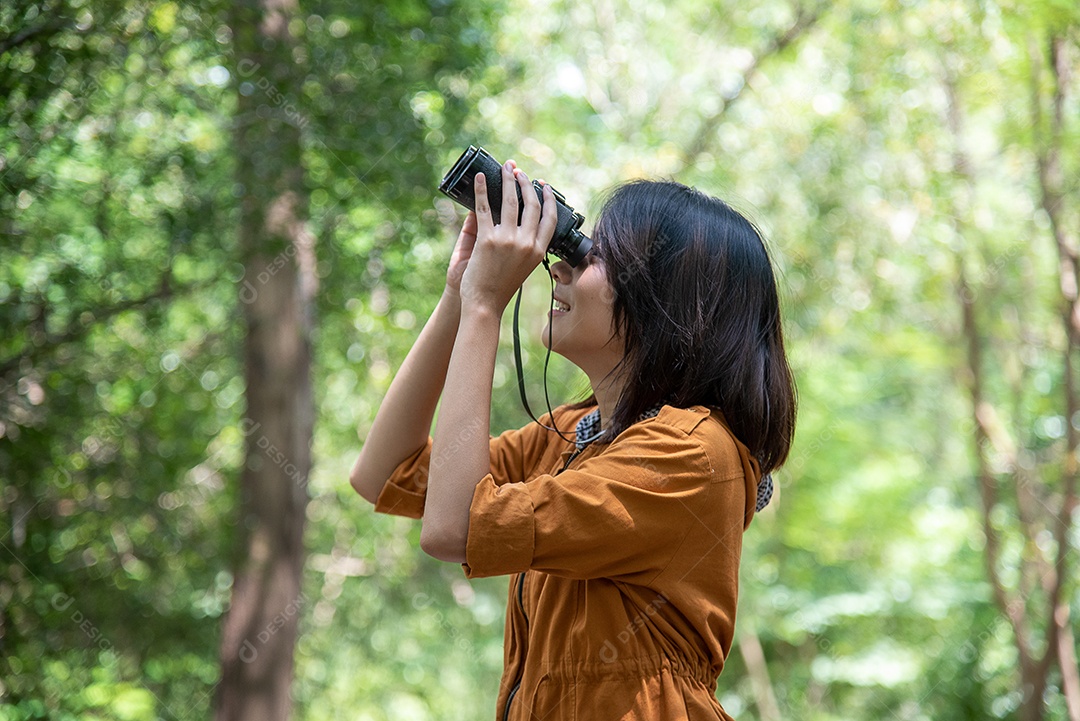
(561, 305)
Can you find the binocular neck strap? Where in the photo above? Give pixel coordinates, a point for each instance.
(517, 358)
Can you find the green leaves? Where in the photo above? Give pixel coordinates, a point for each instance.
(121, 419)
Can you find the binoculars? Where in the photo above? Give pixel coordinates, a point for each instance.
(568, 242)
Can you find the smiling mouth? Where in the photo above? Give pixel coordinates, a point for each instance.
(559, 305)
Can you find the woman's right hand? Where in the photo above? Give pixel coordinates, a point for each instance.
(462, 252)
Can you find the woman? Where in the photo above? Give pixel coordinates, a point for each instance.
(625, 542)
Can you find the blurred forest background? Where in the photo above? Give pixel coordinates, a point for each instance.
(220, 234)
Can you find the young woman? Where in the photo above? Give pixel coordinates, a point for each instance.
(625, 542)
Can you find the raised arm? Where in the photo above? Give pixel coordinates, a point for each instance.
(460, 456)
(403, 422)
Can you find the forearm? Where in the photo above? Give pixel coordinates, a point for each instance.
(403, 421)
(460, 455)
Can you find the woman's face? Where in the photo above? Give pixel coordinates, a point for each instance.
(583, 334)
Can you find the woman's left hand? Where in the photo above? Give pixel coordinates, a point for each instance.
(505, 254)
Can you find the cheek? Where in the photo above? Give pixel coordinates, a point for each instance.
(602, 301)
(599, 289)
(606, 296)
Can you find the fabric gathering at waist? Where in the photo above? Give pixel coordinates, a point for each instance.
(565, 670)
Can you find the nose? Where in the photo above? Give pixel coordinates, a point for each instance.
(561, 271)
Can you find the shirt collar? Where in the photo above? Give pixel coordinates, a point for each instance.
(588, 428)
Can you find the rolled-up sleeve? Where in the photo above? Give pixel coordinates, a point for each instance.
(503, 515)
(514, 454)
(621, 514)
(406, 489)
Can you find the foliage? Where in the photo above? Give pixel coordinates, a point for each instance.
(121, 414)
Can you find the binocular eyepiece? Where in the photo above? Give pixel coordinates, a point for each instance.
(568, 242)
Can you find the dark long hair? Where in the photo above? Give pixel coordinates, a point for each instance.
(696, 302)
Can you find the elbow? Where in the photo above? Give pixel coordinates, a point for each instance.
(441, 545)
(365, 490)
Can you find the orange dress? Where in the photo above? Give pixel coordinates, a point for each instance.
(626, 562)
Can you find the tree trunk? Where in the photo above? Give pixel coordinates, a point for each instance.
(1070, 670)
(1050, 143)
(758, 671)
(990, 435)
(276, 295)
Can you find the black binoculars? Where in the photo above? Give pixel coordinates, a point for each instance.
(568, 242)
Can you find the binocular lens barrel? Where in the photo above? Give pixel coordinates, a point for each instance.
(568, 242)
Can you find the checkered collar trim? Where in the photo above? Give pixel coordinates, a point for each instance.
(588, 430)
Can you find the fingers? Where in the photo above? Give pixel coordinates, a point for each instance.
(528, 194)
(538, 219)
(483, 208)
(509, 214)
(467, 237)
(550, 217)
(469, 226)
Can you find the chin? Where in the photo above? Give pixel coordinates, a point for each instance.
(544, 336)
(555, 344)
